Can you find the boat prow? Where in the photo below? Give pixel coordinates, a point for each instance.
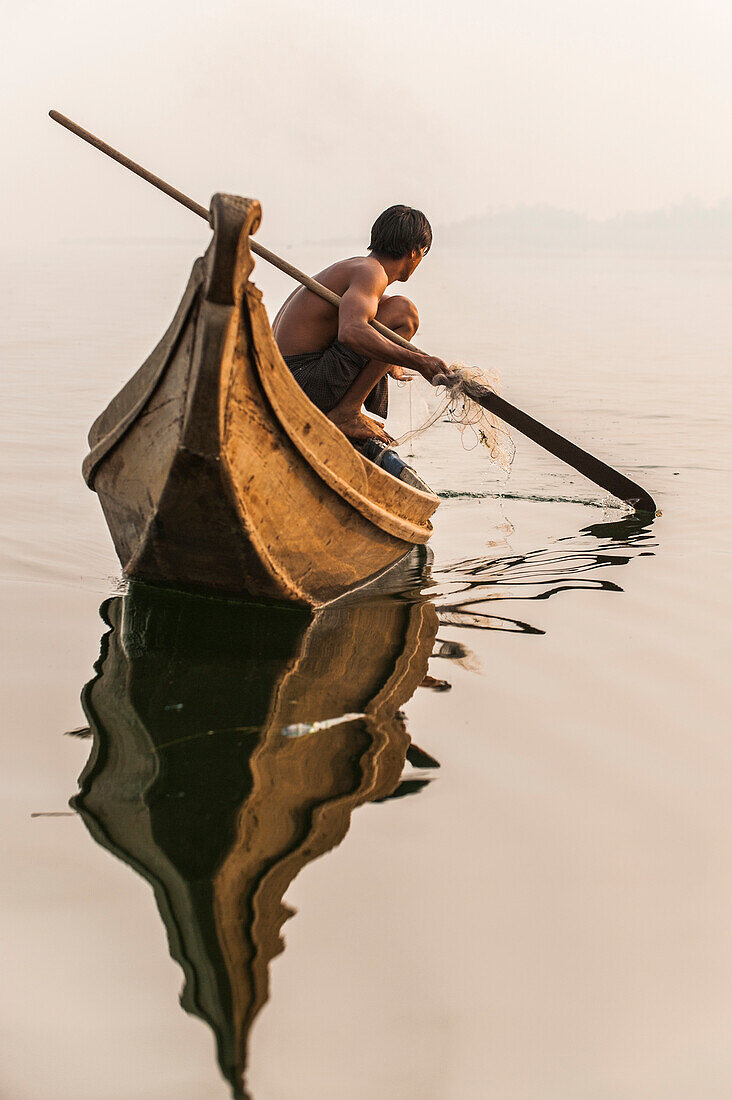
(215, 471)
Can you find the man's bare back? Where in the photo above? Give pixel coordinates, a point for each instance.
(306, 324)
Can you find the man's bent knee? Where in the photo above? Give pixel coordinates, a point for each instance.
(399, 313)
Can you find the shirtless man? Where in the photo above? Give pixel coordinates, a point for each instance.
(340, 361)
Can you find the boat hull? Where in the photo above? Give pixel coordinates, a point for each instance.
(216, 473)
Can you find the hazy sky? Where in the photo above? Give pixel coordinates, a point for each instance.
(328, 112)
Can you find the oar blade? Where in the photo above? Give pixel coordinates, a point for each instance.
(586, 464)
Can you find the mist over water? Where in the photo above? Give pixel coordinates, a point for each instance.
(547, 912)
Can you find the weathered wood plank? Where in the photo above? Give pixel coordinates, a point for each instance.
(216, 473)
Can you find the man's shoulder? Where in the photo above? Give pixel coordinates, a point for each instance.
(363, 271)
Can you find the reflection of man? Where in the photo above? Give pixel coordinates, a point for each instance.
(340, 361)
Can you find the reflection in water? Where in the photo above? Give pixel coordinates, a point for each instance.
(467, 588)
(226, 756)
(192, 783)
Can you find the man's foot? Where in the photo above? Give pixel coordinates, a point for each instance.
(435, 684)
(356, 425)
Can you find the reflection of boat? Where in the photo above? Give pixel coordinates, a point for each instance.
(192, 783)
(214, 470)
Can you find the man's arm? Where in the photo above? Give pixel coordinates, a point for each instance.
(358, 307)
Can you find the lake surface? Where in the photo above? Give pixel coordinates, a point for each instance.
(513, 877)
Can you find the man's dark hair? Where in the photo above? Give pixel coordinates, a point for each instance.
(399, 231)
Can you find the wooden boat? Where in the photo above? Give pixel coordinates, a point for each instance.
(215, 471)
(191, 782)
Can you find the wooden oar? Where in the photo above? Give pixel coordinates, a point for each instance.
(592, 468)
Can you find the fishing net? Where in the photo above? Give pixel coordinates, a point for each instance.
(477, 426)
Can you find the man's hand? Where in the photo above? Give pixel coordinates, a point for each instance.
(431, 367)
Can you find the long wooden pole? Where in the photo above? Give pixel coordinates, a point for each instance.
(257, 249)
(592, 468)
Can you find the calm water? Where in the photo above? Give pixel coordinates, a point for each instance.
(547, 914)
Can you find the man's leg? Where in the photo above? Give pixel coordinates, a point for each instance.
(400, 315)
